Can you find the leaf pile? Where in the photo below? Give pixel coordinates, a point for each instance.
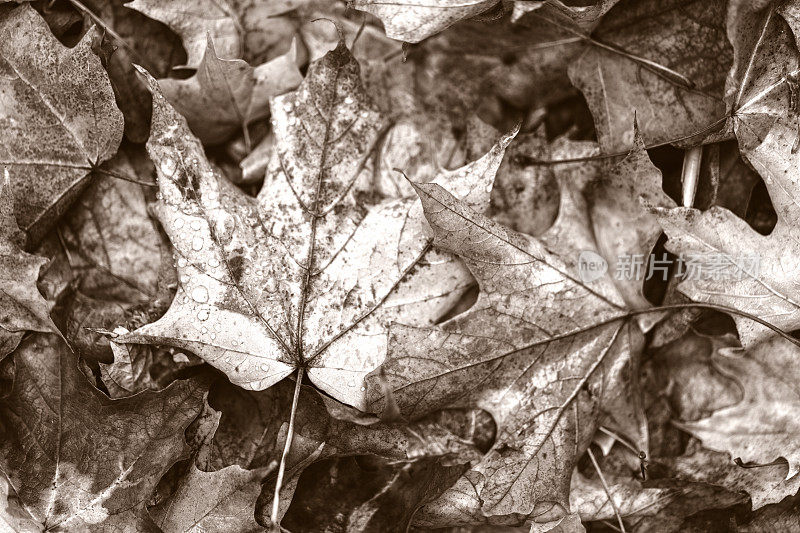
(364, 266)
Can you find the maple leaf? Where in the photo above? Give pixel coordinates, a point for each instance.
(414, 20)
(23, 306)
(51, 415)
(766, 484)
(225, 95)
(663, 62)
(308, 274)
(523, 351)
(66, 94)
(222, 500)
(195, 24)
(765, 124)
(763, 426)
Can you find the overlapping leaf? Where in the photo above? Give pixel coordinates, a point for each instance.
(52, 414)
(765, 123)
(58, 118)
(310, 272)
(524, 352)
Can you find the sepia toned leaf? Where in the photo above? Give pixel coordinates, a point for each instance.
(52, 412)
(58, 118)
(262, 293)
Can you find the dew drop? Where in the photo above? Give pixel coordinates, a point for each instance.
(196, 225)
(203, 315)
(364, 114)
(168, 166)
(292, 121)
(218, 326)
(197, 244)
(182, 262)
(200, 294)
(178, 224)
(265, 367)
(348, 100)
(204, 330)
(186, 299)
(351, 383)
(288, 107)
(363, 389)
(213, 336)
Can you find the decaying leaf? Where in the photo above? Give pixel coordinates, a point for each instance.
(414, 20)
(766, 125)
(663, 62)
(22, 307)
(195, 24)
(310, 273)
(58, 118)
(523, 352)
(222, 500)
(50, 415)
(225, 95)
(760, 428)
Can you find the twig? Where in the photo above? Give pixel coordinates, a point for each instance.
(289, 436)
(123, 177)
(526, 160)
(607, 489)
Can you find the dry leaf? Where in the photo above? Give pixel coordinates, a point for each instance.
(22, 307)
(225, 95)
(414, 20)
(763, 426)
(523, 351)
(195, 24)
(313, 267)
(51, 414)
(686, 37)
(59, 118)
(222, 500)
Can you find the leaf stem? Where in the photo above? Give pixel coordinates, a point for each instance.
(529, 161)
(607, 489)
(286, 447)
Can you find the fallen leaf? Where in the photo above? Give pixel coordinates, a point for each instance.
(195, 24)
(767, 138)
(314, 267)
(225, 95)
(222, 500)
(51, 414)
(545, 383)
(129, 373)
(589, 498)
(66, 94)
(23, 308)
(765, 484)
(631, 72)
(414, 20)
(762, 427)
(584, 16)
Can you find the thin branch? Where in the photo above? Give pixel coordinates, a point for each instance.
(530, 161)
(123, 177)
(289, 437)
(607, 489)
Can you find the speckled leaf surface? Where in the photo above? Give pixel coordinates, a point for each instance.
(57, 117)
(22, 307)
(309, 273)
(414, 20)
(523, 351)
(50, 415)
(768, 140)
(687, 37)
